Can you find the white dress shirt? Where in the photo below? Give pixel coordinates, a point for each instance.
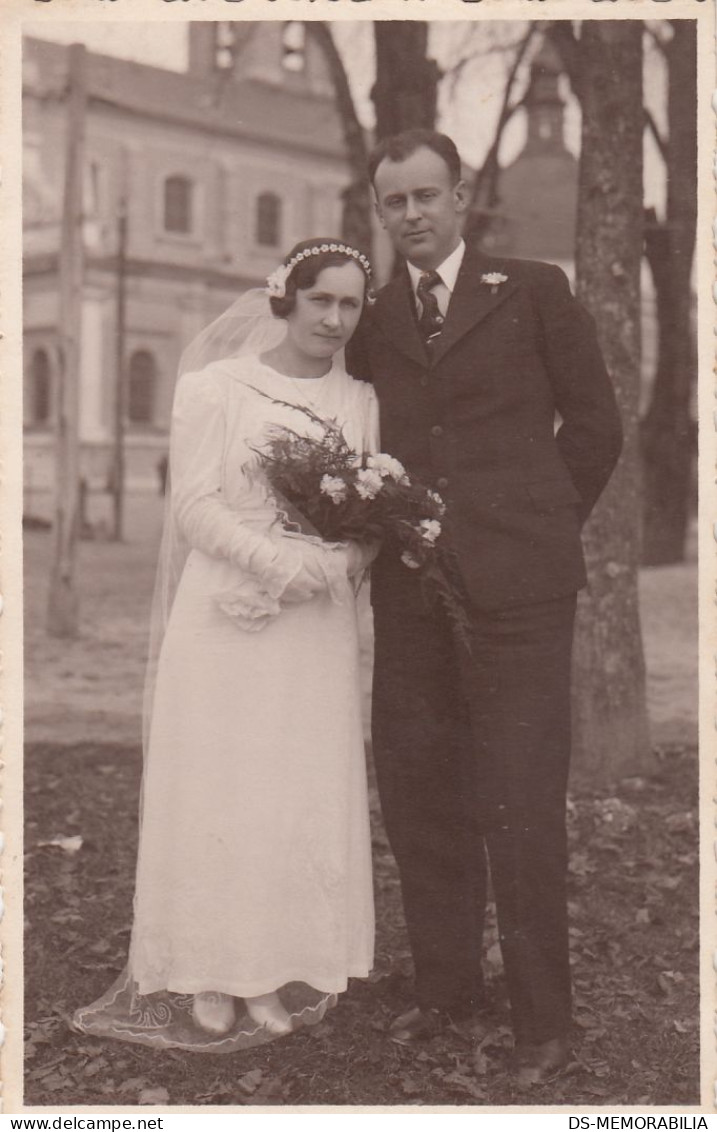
(448, 272)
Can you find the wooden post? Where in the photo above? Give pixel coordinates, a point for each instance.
(63, 605)
(119, 406)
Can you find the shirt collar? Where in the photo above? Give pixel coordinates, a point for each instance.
(448, 270)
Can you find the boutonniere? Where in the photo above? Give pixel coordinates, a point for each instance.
(493, 279)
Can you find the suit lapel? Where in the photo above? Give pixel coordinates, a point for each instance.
(396, 314)
(471, 301)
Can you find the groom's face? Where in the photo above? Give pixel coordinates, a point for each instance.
(420, 206)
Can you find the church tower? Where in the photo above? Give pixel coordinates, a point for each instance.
(278, 53)
(538, 191)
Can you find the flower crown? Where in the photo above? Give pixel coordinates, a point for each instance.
(276, 282)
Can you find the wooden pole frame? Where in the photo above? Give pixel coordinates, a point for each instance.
(118, 464)
(63, 606)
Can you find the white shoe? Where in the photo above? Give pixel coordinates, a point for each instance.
(214, 1012)
(266, 1009)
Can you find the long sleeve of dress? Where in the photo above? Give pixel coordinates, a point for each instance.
(206, 520)
(279, 567)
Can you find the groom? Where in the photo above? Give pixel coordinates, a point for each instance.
(474, 360)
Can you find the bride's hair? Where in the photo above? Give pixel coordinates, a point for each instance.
(305, 271)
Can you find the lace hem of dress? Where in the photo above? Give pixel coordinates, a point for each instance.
(163, 1020)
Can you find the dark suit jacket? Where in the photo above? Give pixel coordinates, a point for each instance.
(477, 421)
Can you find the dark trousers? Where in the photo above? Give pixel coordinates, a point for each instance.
(471, 755)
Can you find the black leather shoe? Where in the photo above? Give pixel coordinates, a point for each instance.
(416, 1025)
(535, 1064)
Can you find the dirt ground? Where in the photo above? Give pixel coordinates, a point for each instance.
(633, 895)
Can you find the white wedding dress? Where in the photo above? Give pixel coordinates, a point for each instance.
(254, 866)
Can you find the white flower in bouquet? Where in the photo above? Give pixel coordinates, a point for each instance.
(437, 499)
(387, 465)
(368, 483)
(334, 487)
(408, 560)
(430, 530)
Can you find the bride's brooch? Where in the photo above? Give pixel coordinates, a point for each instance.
(493, 279)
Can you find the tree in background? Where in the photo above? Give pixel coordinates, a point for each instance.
(356, 220)
(668, 432)
(485, 195)
(610, 717)
(405, 93)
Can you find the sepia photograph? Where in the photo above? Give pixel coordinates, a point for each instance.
(360, 531)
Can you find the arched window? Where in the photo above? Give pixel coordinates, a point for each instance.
(40, 393)
(141, 387)
(225, 43)
(178, 204)
(268, 220)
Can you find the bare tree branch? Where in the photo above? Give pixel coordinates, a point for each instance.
(357, 203)
(485, 186)
(473, 47)
(562, 35)
(653, 32)
(660, 141)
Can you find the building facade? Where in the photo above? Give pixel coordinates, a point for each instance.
(218, 170)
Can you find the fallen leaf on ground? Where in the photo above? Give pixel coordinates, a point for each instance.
(132, 1084)
(480, 1063)
(465, 1084)
(153, 1096)
(69, 844)
(55, 1082)
(410, 1086)
(250, 1082)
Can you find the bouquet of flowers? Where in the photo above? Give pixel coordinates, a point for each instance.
(341, 495)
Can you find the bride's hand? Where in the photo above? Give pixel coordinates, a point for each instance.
(312, 569)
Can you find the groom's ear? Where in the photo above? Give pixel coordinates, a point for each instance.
(460, 195)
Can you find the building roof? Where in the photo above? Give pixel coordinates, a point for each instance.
(244, 108)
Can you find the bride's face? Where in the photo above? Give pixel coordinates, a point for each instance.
(326, 314)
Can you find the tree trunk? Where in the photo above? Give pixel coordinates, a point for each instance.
(668, 430)
(405, 93)
(356, 222)
(610, 719)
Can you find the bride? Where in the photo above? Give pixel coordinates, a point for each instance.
(253, 901)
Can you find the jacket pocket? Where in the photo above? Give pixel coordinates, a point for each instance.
(549, 494)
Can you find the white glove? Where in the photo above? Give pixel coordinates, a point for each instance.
(316, 569)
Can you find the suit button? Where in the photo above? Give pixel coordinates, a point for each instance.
(442, 482)
(424, 381)
(437, 430)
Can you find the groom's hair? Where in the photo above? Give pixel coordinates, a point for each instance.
(398, 147)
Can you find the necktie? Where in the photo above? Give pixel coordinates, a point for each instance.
(430, 322)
